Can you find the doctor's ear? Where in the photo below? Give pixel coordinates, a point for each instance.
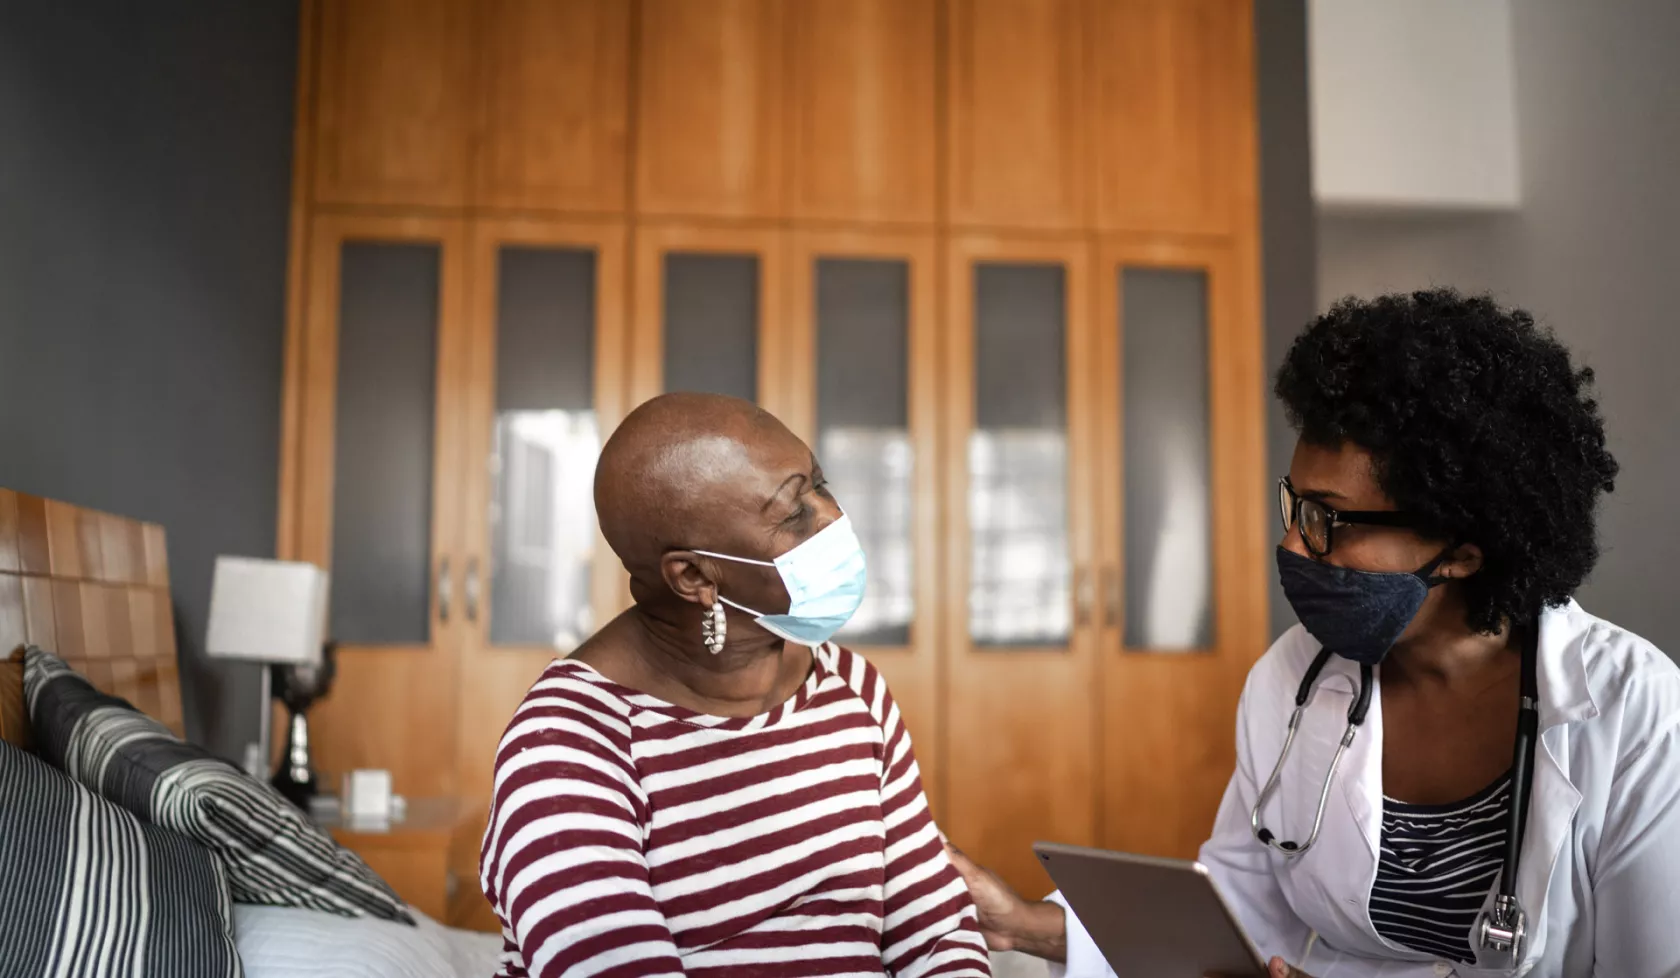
(1462, 561)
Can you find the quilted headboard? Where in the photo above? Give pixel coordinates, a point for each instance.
(94, 589)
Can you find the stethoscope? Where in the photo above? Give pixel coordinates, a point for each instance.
(1500, 931)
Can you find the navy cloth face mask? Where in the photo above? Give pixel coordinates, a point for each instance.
(1356, 614)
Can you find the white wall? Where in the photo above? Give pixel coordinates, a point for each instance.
(1412, 104)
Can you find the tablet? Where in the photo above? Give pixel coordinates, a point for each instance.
(1149, 916)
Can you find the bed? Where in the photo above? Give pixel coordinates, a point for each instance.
(93, 589)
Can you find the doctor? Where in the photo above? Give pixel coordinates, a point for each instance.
(1438, 514)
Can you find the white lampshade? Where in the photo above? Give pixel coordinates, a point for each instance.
(267, 611)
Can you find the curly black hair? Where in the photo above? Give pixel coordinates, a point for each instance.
(1478, 423)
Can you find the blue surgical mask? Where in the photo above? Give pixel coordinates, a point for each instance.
(1356, 614)
(824, 577)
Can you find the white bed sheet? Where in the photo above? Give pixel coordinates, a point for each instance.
(287, 942)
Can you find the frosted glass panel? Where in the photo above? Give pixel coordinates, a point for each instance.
(711, 324)
(1019, 565)
(382, 485)
(542, 463)
(1169, 558)
(863, 429)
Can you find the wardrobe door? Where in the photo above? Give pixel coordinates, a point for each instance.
(378, 488)
(1172, 115)
(709, 108)
(1183, 540)
(862, 123)
(553, 106)
(1015, 114)
(862, 389)
(393, 102)
(546, 387)
(704, 310)
(1019, 580)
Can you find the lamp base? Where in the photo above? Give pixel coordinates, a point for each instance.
(299, 687)
(295, 779)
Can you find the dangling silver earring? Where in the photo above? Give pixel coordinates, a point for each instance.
(714, 628)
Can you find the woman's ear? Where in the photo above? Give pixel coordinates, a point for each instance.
(683, 575)
(1464, 560)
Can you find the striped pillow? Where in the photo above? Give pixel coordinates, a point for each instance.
(273, 853)
(87, 889)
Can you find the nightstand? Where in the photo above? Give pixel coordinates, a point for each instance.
(412, 855)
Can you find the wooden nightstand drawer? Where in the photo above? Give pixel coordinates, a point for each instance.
(412, 855)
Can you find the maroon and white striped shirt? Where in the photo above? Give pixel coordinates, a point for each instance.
(631, 837)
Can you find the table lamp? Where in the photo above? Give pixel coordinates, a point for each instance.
(274, 612)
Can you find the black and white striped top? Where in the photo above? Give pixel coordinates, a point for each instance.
(1438, 865)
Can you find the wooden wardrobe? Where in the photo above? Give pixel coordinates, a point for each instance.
(994, 259)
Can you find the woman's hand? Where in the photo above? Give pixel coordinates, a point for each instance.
(1008, 922)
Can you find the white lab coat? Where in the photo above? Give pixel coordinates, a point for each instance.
(1600, 870)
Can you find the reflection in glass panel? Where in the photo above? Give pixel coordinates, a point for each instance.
(711, 324)
(863, 429)
(382, 484)
(1164, 358)
(542, 463)
(1019, 567)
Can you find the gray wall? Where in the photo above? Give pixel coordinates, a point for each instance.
(144, 186)
(1288, 234)
(1593, 252)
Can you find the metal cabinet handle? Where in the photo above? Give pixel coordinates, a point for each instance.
(472, 589)
(443, 589)
(1081, 598)
(1111, 597)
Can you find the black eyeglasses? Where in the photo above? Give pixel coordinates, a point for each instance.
(1318, 522)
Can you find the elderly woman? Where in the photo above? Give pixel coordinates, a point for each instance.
(707, 787)
(1437, 517)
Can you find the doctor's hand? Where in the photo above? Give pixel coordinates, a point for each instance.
(1008, 922)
